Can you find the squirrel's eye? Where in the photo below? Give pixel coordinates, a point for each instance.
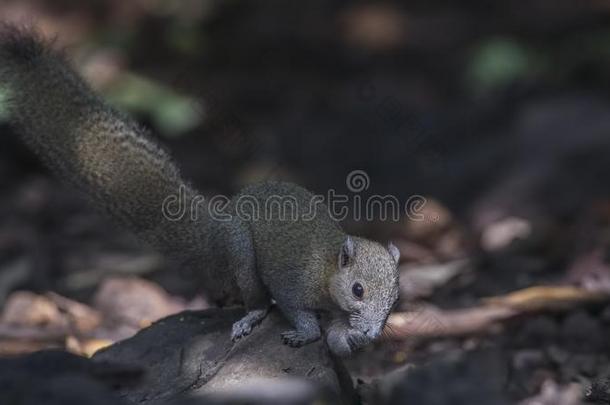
(357, 290)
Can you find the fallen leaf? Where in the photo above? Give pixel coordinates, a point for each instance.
(82, 317)
(90, 346)
(85, 347)
(135, 301)
(417, 281)
(591, 271)
(374, 26)
(29, 309)
(500, 234)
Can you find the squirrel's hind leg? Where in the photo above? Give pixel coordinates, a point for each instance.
(242, 261)
(306, 324)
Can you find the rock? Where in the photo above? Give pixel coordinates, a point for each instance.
(598, 392)
(189, 357)
(582, 332)
(184, 359)
(54, 377)
(540, 330)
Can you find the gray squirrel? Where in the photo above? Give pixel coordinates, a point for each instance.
(307, 266)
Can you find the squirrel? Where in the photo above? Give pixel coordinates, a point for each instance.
(307, 264)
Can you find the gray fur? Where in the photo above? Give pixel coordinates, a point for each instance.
(308, 265)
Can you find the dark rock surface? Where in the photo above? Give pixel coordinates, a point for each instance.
(54, 377)
(190, 357)
(184, 359)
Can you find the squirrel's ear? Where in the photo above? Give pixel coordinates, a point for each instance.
(347, 252)
(394, 252)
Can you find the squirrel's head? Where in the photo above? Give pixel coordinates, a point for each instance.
(366, 283)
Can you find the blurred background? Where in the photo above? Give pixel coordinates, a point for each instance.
(498, 113)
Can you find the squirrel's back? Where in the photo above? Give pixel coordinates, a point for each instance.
(295, 238)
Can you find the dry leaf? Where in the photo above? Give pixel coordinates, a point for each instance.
(82, 318)
(374, 26)
(418, 281)
(90, 346)
(85, 347)
(135, 301)
(29, 309)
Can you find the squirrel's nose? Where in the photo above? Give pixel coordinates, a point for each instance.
(372, 332)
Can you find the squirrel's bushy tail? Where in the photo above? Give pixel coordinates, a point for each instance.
(98, 149)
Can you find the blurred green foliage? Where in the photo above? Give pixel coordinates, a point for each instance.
(3, 104)
(185, 38)
(499, 62)
(171, 113)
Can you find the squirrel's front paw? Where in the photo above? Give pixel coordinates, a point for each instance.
(244, 326)
(343, 342)
(295, 338)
